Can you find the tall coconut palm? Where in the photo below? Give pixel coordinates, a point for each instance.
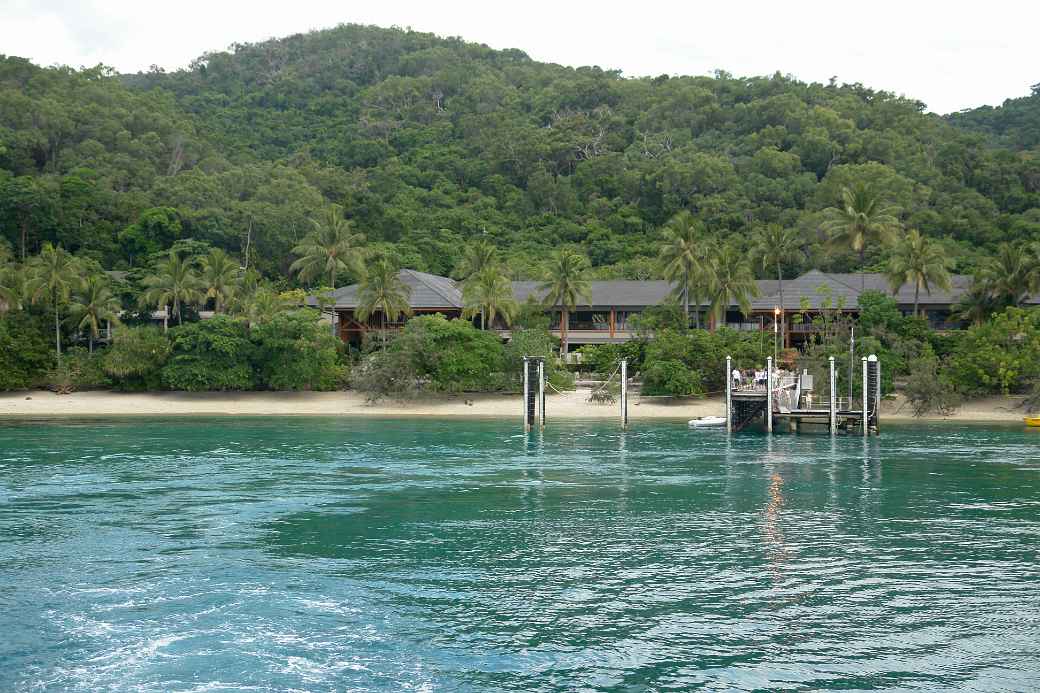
(53, 273)
(219, 276)
(1009, 276)
(731, 281)
(919, 261)
(861, 219)
(477, 256)
(566, 283)
(330, 249)
(490, 295)
(774, 246)
(93, 303)
(682, 259)
(173, 283)
(382, 291)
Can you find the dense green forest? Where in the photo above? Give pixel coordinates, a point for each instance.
(428, 142)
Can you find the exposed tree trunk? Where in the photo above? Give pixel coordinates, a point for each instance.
(862, 272)
(686, 298)
(564, 317)
(25, 235)
(57, 329)
(783, 314)
(917, 293)
(90, 341)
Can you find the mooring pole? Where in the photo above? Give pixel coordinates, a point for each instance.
(729, 394)
(527, 392)
(769, 394)
(833, 413)
(624, 393)
(877, 406)
(852, 361)
(865, 418)
(541, 393)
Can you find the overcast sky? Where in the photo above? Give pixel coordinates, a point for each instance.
(951, 55)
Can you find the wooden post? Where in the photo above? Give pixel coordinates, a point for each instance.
(541, 393)
(865, 418)
(729, 394)
(833, 406)
(624, 393)
(527, 391)
(769, 394)
(613, 322)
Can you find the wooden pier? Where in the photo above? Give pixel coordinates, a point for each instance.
(785, 400)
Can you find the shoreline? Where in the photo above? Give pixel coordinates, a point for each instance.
(568, 405)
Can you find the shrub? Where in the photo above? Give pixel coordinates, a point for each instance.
(671, 377)
(295, 351)
(1000, 356)
(389, 373)
(78, 370)
(135, 359)
(452, 355)
(26, 350)
(927, 392)
(213, 354)
(436, 353)
(533, 342)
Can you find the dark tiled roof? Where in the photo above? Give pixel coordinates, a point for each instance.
(427, 291)
(431, 291)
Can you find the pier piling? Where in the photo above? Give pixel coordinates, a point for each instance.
(729, 394)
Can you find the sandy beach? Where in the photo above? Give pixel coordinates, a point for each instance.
(570, 405)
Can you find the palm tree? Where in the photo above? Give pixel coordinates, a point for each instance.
(489, 294)
(919, 261)
(682, 260)
(331, 248)
(773, 246)
(476, 257)
(976, 304)
(258, 304)
(219, 277)
(566, 283)
(861, 219)
(1009, 276)
(53, 273)
(731, 281)
(174, 282)
(92, 303)
(383, 292)
(12, 285)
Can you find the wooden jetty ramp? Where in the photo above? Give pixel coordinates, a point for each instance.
(779, 399)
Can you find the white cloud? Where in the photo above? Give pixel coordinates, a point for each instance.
(951, 55)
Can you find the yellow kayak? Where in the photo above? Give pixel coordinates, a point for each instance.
(1032, 420)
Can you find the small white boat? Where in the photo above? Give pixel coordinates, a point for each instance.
(704, 421)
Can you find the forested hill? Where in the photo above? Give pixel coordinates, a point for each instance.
(428, 142)
(1016, 123)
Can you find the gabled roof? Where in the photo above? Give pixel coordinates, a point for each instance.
(427, 291)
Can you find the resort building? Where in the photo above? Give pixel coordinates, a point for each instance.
(608, 317)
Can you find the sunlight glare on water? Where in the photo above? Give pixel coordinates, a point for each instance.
(334, 554)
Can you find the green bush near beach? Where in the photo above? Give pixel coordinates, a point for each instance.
(1001, 356)
(26, 350)
(296, 352)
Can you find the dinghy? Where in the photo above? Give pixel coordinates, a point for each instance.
(1032, 420)
(705, 421)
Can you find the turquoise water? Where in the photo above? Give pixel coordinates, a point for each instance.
(331, 555)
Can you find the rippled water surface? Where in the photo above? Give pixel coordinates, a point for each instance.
(330, 554)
